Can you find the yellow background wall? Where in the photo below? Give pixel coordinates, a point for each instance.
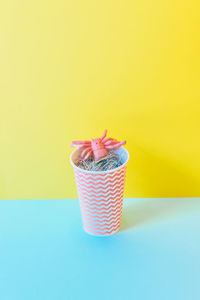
(70, 69)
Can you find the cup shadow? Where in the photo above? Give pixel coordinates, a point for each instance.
(142, 211)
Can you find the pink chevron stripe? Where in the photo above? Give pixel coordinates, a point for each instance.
(103, 232)
(105, 190)
(87, 183)
(97, 198)
(101, 207)
(99, 180)
(99, 204)
(101, 201)
(89, 215)
(96, 219)
(99, 176)
(99, 190)
(100, 183)
(105, 223)
(99, 194)
(113, 212)
(102, 227)
(103, 217)
(102, 213)
(98, 212)
(103, 175)
(97, 187)
(106, 187)
(96, 174)
(90, 189)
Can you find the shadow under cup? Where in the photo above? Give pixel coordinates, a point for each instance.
(101, 195)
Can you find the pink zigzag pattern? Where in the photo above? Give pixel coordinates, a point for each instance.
(100, 177)
(96, 175)
(101, 207)
(102, 184)
(102, 220)
(103, 232)
(101, 200)
(99, 194)
(108, 187)
(104, 199)
(103, 226)
(101, 213)
(99, 204)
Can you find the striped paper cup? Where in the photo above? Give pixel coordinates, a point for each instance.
(101, 195)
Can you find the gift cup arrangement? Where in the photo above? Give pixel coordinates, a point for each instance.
(100, 169)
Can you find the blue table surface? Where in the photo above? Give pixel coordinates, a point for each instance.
(45, 254)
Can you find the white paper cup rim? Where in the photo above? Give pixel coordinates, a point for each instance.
(99, 172)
